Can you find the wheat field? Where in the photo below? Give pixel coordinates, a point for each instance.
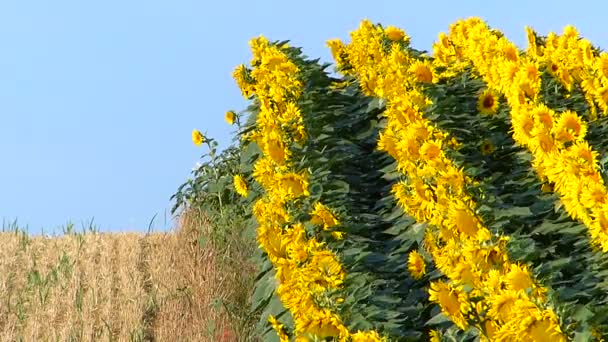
(113, 287)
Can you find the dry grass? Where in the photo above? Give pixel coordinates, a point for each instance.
(121, 287)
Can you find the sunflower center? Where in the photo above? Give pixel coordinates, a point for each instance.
(488, 102)
(554, 67)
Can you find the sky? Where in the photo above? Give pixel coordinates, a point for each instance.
(98, 99)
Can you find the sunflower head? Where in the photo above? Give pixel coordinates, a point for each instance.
(422, 72)
(531, 37)
(230, 117)
(197, 137)
(569, 127)
(395, 34)
(240, 185)
(416, 265)
(487, 102)
(487, 148)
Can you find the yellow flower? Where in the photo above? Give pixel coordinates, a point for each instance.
(230, 117)
(293, 185)
(422, 72)
(453, 302)
(487, 102)
(431, 149)
(542, 326)
(241, 76)
(416, 265)
(338, 235)
(463, 219)
(519, 278)
(569, 127)
(197, 137)
(435, 336)
(487, 148)
(395, 34)
(503, 304)
(546, 188)
(322, 215)
(368, 336)
(278, 327)
(531, 37)
(275, 148)
(240, 185)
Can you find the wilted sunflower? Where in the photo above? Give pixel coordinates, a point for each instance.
(197, 137)
(230, 117)
(487, 102)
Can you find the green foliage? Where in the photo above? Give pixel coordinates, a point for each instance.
(210, 191)
(349, 175)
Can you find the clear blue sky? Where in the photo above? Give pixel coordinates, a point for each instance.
(98, 98)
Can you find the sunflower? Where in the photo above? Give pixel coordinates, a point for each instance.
(542, 326)
(435, 336)
(487, 103)
(293, 185)
(531, 37)
(519, 278)
(569, 127)
(544, 117)
(279, 328)
(422, 72)
(487, 148)
(230, 117)
(502, 305)
(322, 215)
(394, 33)
(416, 265)
(431, 149)
(453, 302)
(240, 185)
(368, 336)
(462, 219)
(197, 137)
(601, 97)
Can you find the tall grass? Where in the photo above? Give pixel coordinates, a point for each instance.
(97, 286)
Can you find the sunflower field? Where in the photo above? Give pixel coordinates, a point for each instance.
(403, 195)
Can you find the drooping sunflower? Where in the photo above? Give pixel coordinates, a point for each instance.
(230, 117)
(487, 103)
(197, 137)
(240, 185)
(416, 265)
